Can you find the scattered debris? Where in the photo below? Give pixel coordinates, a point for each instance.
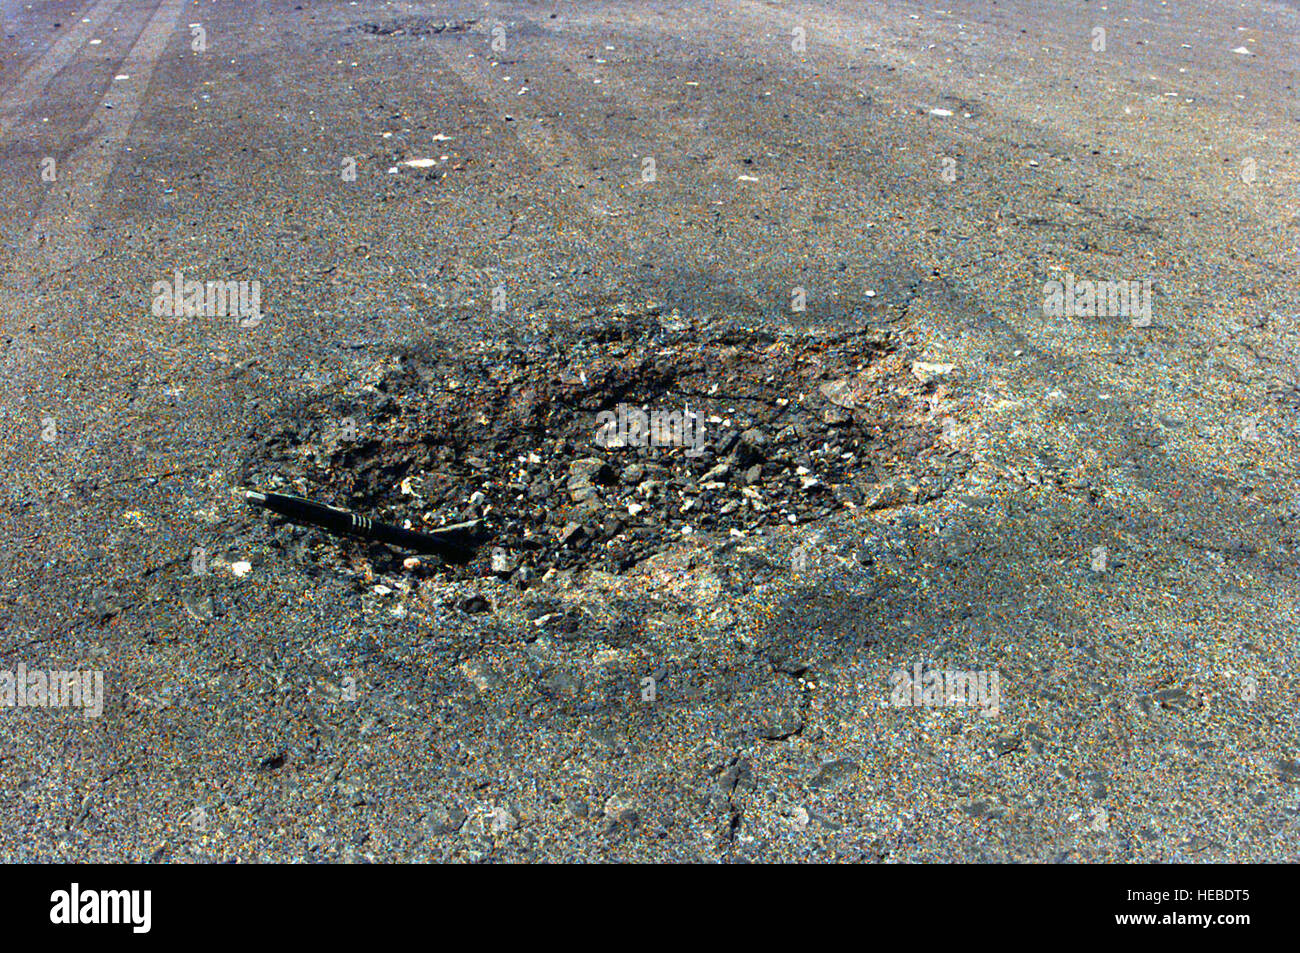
(925, 372)
(454, 543)
(604, 447)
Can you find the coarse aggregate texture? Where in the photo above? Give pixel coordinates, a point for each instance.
(1109, 526)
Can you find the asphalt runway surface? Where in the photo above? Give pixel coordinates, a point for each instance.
(839, 223)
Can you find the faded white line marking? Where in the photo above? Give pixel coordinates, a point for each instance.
(33, 82)
(58, 238)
